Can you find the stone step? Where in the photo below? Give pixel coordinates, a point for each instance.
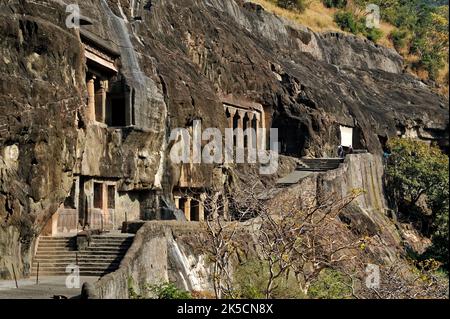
(50, 239)
(46, 248)
(80, 253)
(87, 250)
(62, 267)
(106, 248)
(111, 242)
(81, 264)
(57, 247)
(90, 273)
(73, 261)
(55, 255)
(130, 237)
(62, 271)
(102, 256)
(315, 169)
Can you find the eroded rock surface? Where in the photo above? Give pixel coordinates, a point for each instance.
(180, 58)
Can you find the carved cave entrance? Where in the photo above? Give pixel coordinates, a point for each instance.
(91, 204)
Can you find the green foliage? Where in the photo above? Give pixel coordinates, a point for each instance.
(160, 291)
(132, 294)
(373, 34)
(331, 284)
(169, 291)
(399, 38)
(298, 5)
(335, 3)
(427, 25)
(417, 171)
(347, 21)
(251, 278)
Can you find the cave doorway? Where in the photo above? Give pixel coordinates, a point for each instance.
(292, 136)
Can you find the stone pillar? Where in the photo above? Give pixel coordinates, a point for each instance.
(232, 112)
(187, 209)
(265, 124)
(103, 89)
(91, 98)
(177, 201)
(240, 141)
(260, 136)
(201, 208)
(251, 139)
(105, 209)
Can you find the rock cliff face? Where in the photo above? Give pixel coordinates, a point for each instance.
(176, 252)
(179, 58)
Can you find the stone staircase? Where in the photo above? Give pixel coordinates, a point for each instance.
(308, 166)
(101, 257)
(319, 164)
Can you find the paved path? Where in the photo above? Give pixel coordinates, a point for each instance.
(46, 289)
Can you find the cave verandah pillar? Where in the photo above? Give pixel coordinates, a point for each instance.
(240, 137)
(232, 112)
(91, 98)
(201, 209)
(100, 101)
(187, 209)
(177, 201)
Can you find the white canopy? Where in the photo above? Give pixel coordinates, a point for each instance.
(346, 136)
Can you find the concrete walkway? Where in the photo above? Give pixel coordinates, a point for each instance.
(46, 289)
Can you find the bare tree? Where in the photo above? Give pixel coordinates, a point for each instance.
(222, 234)
(404, 280)
(302, 238)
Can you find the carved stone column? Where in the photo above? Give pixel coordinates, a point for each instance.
(252, 139)
(240, 137)
(177, 201)
(91, 98)
(232, 112)
(187, 209)
(103, 89)
(260, 140)
(201, 207)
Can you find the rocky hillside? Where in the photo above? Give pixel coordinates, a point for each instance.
(180, 57)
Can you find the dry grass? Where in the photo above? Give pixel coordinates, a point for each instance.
(320, 18)
(387, 29)
(317, 16)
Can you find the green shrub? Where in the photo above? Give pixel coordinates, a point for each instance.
(335, 3)
(399, 38)
(298, 5)
(348, 22)
(373, 34)
(169, 291)
(418, 172)
(331, 284)
(251, 279)
(161, 291)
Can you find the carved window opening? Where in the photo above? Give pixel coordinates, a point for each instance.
(98, 195)
(195, 210)
(117, 105)
(247, 116)
(110, 102)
